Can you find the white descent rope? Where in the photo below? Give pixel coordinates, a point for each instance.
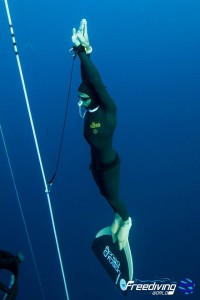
(36, 145)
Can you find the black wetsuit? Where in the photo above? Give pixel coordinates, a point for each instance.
(99, 128)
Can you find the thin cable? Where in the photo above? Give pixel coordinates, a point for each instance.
(63, 128)
(36, 145)
(22, 213)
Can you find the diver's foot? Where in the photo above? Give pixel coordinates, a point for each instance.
(123, 233)
(115, 226)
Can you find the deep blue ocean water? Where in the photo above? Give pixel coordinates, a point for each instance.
(148, 54)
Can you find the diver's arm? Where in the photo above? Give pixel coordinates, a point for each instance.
(81, 37)
(90, 73)
(83, 72)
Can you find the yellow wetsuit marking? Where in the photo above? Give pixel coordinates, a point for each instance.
(95, 125)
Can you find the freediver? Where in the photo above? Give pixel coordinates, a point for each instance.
(100, 120)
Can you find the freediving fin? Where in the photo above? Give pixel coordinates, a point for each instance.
(117, 263)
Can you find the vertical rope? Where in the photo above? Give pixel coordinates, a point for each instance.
(21, 211)
(36, 144)
(50, 182)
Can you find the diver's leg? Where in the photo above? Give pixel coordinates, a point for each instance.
(108, 183)
(116, 224)
(110, 189)
(122, 223)
(97, 178)
(123, 233)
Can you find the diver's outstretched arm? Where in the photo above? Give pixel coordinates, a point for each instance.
(80, 37)
(93, 77)
(89, 71)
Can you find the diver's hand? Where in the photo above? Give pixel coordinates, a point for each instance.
(82, 35)
(75, 39)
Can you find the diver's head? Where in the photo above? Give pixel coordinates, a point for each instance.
(87, 95)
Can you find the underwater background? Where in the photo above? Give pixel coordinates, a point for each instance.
(148, 54)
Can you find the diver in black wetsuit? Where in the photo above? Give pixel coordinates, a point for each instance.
(100, 123)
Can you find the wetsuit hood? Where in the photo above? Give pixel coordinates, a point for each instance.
(86, 88)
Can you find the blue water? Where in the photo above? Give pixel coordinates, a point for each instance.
(148, 53)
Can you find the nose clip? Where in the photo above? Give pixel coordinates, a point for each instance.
(80, 103)
(80, 109)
